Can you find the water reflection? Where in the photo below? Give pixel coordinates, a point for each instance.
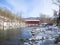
(12, 37)
(25, 33)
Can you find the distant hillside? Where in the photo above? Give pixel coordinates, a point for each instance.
(7, 15)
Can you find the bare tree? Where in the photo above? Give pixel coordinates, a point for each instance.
(55, 17)
(57, 2)
(44, 18)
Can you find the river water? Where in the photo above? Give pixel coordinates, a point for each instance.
(14, 36)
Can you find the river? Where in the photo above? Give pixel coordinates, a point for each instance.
(14, 36)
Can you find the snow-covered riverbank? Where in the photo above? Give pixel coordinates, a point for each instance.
(11, 25)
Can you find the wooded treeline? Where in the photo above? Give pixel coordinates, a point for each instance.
(7, 15)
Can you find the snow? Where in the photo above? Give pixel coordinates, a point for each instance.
(48, 35)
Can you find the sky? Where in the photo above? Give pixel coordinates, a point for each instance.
(30, 8)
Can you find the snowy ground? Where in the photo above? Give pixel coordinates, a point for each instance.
(48, 35)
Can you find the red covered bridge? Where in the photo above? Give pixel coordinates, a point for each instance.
(32, 21)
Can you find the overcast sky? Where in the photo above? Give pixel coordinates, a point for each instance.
(29, 8)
